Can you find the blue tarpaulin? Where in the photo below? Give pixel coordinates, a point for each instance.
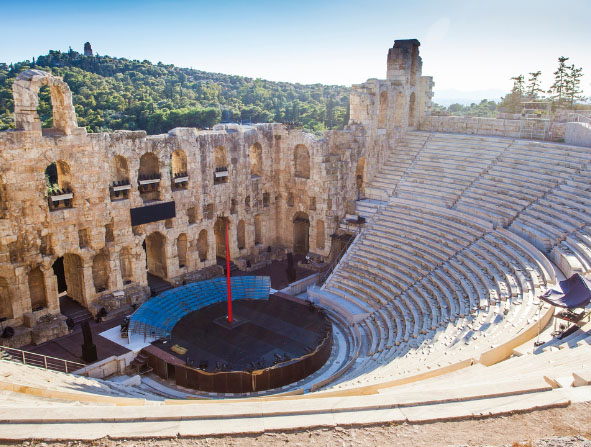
(575, 293)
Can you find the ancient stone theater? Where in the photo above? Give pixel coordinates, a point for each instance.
(451, 256)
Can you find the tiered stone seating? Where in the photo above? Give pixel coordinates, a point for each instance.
(523, 174)
(398, 162)
(453, 283)
(446, 166)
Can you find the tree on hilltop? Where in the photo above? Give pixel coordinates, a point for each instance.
(560, 81)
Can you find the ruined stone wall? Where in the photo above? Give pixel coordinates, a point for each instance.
(279, 190)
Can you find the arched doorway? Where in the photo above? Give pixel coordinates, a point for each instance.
(411, 110)
(126, 265)
(70, 277)
(219, 230)
(258, 230)
(241, 234)
(181, 247)
(100, 272)
(156, 254)
(202, 245)
(301, 233)
(37, 289)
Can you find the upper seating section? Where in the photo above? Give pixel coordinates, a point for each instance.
(158, 316)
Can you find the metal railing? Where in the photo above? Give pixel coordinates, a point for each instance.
(39, 360)
(578, 118)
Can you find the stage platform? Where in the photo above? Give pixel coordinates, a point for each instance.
(272, 343)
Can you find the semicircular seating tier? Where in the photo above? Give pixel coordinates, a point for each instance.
(158, 316)
(439, 286)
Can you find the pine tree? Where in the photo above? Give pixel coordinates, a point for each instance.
(560, 80)
(533, 88)
(518, 85)
(573, 82)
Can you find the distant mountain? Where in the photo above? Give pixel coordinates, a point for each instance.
(453, 96)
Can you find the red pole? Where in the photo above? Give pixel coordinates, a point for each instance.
(228, 274)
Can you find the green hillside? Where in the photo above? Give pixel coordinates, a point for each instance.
(117, 93)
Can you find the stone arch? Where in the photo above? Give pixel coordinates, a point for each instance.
(100, 272)
(247, 203)
(202, 245)
(58, 175)
(178, 163)
(25, 91)
(156, 254)
(258, 230)
(181, 248)
(301, 233)
(302, 161)
(5, 301)
(241, 234)
(220, 163)
(219, 230)
(37, 292)
(74, 277)
(256, 160)
(320, 235)
(360, 176)
(383, 110)
(149, 171)
(126, 265)
(411, 110)
(399, 109)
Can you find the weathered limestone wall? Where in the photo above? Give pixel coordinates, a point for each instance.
(285, 190)
(482, 126)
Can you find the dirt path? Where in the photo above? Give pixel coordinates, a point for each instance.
(564, 427)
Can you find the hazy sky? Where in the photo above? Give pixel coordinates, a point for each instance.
(465, 45)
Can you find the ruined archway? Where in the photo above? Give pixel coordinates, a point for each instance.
(181, 248)
(25, 90)
(37, 292)
(302, 161)
(399, 109)
(256, 160)
(241, 234)
(320, 235)
(220, 164)
(202, 245)
(149, 177)
(126, 265)
(73, 276)
(120, 185)
(258, 230)
(156, 254)
(383, 111)
(178, 170)
(411, 110)
(100, 272)
(219, 230)
(5, 301)
(301, 233)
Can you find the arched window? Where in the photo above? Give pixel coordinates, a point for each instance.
(149, 177)
(220, 163)
(241, 234)
(37, 289)
(181, 247)
(399, 109)
(178, 170)
(58, 179)
(258, 230)
(100, 272)
(302, 161)
(320, 237)
(301, 233)
(202, 245)
(120, 185)
(256, 160)
(383, 113)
